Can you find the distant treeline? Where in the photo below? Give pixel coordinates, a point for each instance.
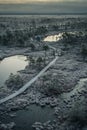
(20, 37)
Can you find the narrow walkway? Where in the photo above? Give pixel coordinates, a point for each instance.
(27, 85)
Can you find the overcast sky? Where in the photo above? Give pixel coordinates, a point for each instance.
(28, 1)
(43, 6)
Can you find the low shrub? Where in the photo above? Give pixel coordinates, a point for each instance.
(14, 81)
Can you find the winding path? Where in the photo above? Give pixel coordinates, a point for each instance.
(27, 85)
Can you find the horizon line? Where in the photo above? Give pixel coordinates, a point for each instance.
(21, 13)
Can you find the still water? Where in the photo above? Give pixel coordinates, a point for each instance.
(11, 65)
(24, 119)
(53, 38)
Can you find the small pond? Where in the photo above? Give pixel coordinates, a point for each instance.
(53, 38)
(11, 65)
(26, 118)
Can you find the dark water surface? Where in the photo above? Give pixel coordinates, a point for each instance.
(26, 118)
(11, 65)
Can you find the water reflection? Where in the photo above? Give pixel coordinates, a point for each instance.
(53, 38)
(11, 65)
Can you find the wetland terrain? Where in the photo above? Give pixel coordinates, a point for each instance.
(57, 99)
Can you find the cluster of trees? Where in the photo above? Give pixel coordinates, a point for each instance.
(40, 61)
(54, 87)
(15, 38)
(41, 30)
(74, 38)
(69, 38)
(37, 63)
(51, 85)
(14, 82)
(79, 24)
(67, 24)
(20, 37)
